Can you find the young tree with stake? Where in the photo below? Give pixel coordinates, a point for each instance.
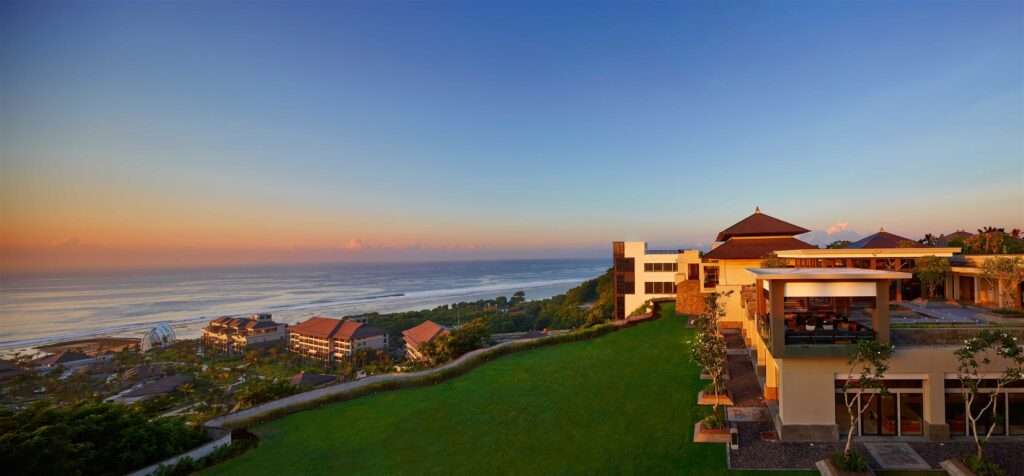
(975, 354)
(869, 362)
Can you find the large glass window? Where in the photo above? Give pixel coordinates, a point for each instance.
(887, 409)
(911, 414)
(658, 267)
(956, 414)
(842, 415)
(710, 276)
(1016, 409)
(654, 287)
(993, 415)
(871, 418)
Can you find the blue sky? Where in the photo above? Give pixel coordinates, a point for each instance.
(523, 129)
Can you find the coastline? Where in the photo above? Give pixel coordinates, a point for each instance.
(191, 328)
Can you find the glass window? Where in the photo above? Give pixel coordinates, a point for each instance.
(911, 412)
(1016, 410)
(888, 412)
(994, 415)
(871, 418)
(842, 415)
(710, 276)
(956, 414)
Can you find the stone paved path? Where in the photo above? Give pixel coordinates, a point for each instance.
(743, 386)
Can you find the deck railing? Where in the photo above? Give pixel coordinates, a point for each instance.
(835, 336)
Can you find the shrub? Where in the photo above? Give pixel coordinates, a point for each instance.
(716, 420)
(851, 461)
(983, 466)
(96, 438)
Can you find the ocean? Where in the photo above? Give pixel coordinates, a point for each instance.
(42, 309)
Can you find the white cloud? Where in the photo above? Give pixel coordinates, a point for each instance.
(354, 244)
(837, 228)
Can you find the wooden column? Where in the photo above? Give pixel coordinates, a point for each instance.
(778, 317)
(880, 320)
(977, 290)
(759, 298)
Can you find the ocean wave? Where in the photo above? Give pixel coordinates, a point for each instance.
(384, 299)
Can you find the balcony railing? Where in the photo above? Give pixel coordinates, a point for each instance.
(851, 334)
(834, 336)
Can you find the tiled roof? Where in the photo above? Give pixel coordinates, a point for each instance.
(305, 379)
(945, 239)
(884, 239)
(755, 248)
(759, 224)
(239, 323)
(61, 358)
(162, 386)
(424, 332)
(322, 327)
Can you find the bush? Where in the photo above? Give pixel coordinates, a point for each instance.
(854, 462)
(983, 466)
(715, 421)
(96, 438)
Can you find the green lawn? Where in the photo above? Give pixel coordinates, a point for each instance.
(618, 404)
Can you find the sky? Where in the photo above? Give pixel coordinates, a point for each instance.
(190, 133)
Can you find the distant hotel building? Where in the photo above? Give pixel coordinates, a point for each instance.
(415, 337)
(328, 340)
(238, 334)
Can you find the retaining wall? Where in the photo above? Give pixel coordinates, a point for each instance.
(194, 454)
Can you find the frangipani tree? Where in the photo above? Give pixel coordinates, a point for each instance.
(708, 348)
(931, 271)
(869, 361)
(975, 354)
(1003, 274)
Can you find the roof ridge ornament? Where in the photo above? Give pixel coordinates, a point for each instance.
(881, 229)
(757, 209)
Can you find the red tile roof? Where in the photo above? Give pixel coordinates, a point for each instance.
(945, 239)
(322, 327)
(884, 239)
(759, 224)
(60, 358)
(755, 248)
(330, 328)
(424, 332)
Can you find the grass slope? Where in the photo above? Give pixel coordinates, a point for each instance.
(619, 404)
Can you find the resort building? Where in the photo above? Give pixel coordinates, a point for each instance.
(328, 340)
(800, 310)
(238, 334)
(968, 283)
(642, 275)
(421, 334)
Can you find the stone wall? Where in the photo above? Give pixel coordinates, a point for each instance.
(689, 300)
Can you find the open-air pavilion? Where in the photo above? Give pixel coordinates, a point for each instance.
(814, 306)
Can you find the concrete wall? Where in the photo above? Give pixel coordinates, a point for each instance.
(732, 276)
(807, 386)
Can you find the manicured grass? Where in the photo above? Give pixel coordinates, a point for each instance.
(621, 403)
